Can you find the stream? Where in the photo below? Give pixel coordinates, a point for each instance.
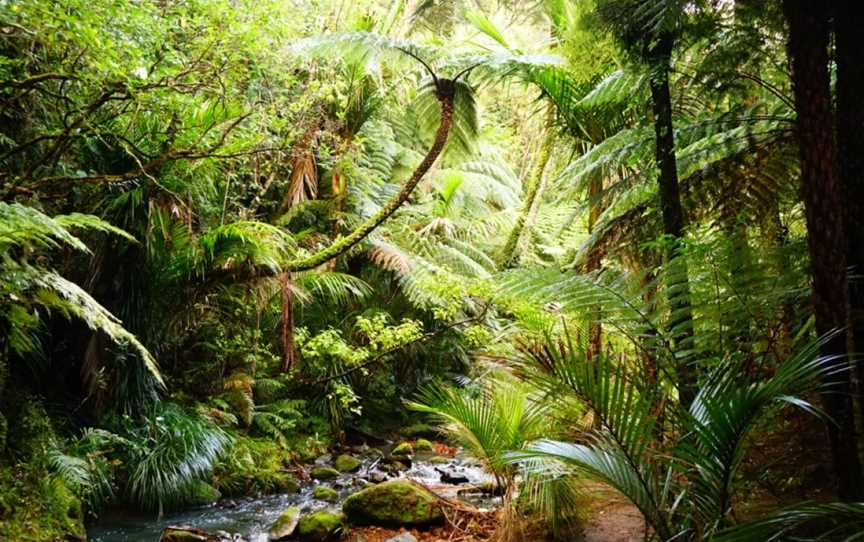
(251, 518)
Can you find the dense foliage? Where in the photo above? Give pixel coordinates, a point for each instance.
(600, 243)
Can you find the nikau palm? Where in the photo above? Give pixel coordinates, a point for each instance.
(684, 487)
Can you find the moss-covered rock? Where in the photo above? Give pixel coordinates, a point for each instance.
(394, 503)
(438, 460)
(403, 448)
(423, 445)
(320, 526)
(203, 493)
(325, 493)
(285, 525)
(286, 483)
(324, 473)
(419, 430)
(347, 463)
(185, 534)
(35, 505)
(30, 432)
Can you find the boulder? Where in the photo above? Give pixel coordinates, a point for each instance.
(187, 534)
(286, 483)
(395, 503)
(285, 524)
(203, 493)
(438, 460)
(347, 463)
(423, 445)
(406, 460)
(374, 453)
(319, 526)
(402, 537)
(324, 473)
(377, 477)
(324, 493)
(403, 448)
(419, 430)
(452, 477)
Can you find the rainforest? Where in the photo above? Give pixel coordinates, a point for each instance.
(431, 270)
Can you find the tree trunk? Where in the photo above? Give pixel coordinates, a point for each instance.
(823, 204)
(509, 255)
(848, 21)
(678, 283)
(289, 350)
(445, 98)
(776, 237)
(739, 265)
(592, 263)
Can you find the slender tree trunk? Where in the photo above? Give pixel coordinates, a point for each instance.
(823, 203)
(289, 350)
(739, 264)
(509, 254)
(777, 237)
(678, 282)
(445, 98)
(595, 328)
(848, 22)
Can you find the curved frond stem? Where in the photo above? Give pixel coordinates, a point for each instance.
(422, 62)
(363, 230)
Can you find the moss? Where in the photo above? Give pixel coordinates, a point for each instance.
(203, 493)
(285, 525)
(31, 433)
(286, 483)
(403, 448)
(35, 506)
(347, 463)
(419, 430)
(423, 445)
(438, 460)
(324, 473)
(393, 503)
(325, 493)
(319, 526)
(4, 430)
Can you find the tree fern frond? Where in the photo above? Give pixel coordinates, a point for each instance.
(54, 292)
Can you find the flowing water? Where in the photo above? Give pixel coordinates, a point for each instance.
(251, 518)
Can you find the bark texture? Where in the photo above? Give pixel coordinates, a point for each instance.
(848, 21)
(510, 255)
(445, 98)
(678, 282)
(289, 350)
(809, 34)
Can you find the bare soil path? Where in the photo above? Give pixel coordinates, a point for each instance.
(614, 520)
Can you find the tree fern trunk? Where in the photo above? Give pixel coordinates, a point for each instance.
(777, 237)
(678, 283)
(823, 204)
(286, 324)
(848, 21)
(344, 244)
(595, 328)
(509, 255)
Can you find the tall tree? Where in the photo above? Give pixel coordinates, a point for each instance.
(649, 29)
(807, 45)
(848, 20)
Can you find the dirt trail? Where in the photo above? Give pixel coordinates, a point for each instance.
(614, 520)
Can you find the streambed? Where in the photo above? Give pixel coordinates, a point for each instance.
(251, 518)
